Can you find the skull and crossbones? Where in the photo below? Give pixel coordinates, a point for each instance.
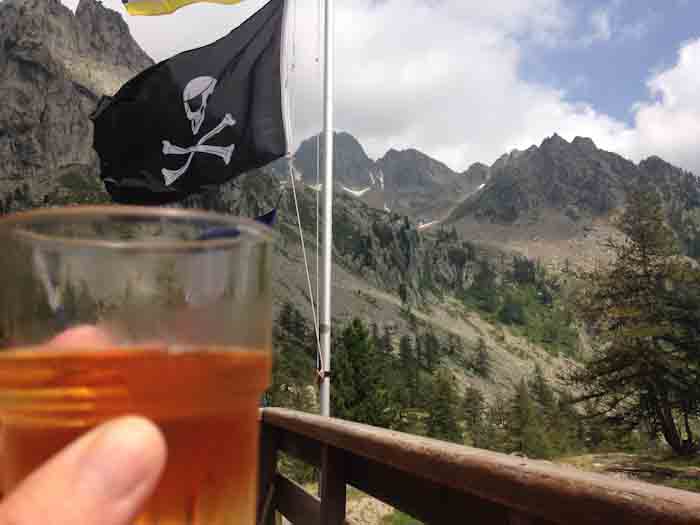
(195, 97)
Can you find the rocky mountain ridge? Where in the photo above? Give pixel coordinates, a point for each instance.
(556, 191)
(575, 178)
(54, 66)
(564, 192)
(406, 182)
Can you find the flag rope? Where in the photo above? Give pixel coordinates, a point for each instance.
(306, 266)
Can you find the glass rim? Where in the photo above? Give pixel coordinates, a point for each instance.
(249, 228)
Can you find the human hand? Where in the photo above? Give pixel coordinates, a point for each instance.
(103, 478)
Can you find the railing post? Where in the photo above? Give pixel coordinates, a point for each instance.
(333, 494)
(267, 474)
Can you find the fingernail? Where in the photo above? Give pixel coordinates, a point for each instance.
(123, 460)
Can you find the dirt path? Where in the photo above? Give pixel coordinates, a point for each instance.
(634, 466)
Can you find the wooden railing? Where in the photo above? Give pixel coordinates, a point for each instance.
(441, 483)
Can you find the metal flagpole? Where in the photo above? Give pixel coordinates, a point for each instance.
(327, 244)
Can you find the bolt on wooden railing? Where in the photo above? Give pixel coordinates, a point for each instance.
(442, 483)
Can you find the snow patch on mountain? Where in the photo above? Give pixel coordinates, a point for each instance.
(356, 193)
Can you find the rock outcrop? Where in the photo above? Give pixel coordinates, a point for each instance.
(54, 66)
(576, 183)
(408, 181)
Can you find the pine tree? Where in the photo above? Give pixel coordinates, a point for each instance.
(344, 388)
(566, 427)
(431, 351)
(525, 426)
(455, 345)
(562, 424)
(474, 418)
(541, 391)
(484, 288)
(442, 421)
(482, 360)
(409, 371)
(645, 312)
(375, 333)
(512, 311)
(496, 425)
(524, 270)
(293, 363)
(364, 392)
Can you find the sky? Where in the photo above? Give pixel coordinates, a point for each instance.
(466, 81)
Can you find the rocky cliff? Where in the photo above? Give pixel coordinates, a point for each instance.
(561, 188)
(575, 178)
(407, 182)
(54, 66)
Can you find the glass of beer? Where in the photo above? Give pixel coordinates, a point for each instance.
(179, 311)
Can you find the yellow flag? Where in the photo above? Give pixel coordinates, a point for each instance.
(164, 7)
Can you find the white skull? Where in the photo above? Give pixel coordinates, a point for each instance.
(195, 96)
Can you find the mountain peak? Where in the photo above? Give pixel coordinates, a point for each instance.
(106, 36)
(477, 173)
(418, 158)
(657, 168)
(477, 166)
(506, 159)
(88, 5)
(349, 141)
(352, 167)
(49, 6)
(554, 142)
(584, 144)
(31, 29)
(406, 153)
(654, 162)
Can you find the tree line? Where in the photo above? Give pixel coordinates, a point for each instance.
(639, 384)
(408, 383)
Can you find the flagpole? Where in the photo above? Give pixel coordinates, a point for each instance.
(327, 244)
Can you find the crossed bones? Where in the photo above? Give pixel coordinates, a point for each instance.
(224, 152)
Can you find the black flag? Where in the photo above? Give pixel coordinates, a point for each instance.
(198, 119)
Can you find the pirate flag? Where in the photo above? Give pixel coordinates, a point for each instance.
(198, 119)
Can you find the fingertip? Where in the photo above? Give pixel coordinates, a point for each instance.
(81, 336)
(105, 477)
(128, 456)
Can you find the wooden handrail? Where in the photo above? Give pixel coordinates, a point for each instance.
(440, 482)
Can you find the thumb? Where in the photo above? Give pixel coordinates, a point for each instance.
(102, 478)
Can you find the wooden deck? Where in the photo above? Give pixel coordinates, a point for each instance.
(441, 483)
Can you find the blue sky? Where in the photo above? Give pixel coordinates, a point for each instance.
(613, 49)
(468, 80)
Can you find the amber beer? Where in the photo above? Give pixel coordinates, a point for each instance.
(204, 400)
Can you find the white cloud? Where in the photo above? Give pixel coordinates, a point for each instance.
(443, 76)
(669, 126)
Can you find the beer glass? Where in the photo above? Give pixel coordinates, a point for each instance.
(181, 304)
